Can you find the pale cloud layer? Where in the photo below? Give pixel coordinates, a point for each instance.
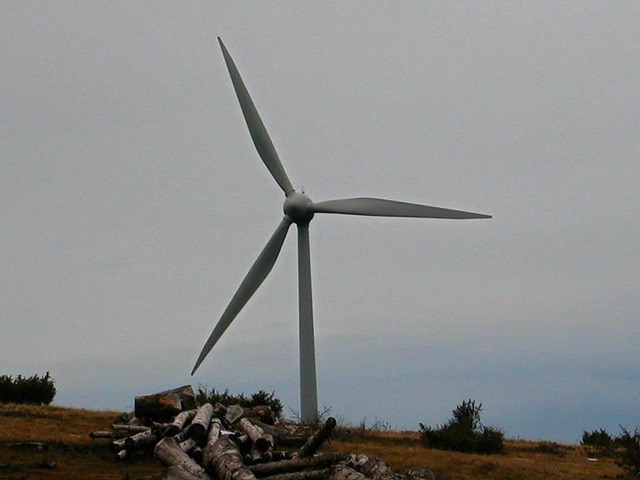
(133, 203)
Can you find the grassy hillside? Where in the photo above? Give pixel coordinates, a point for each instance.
(78, 457)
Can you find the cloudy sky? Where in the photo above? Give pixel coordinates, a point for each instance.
(133, 204)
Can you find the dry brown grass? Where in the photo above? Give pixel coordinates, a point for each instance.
(65, 430)
(522, 460)
(79, 457)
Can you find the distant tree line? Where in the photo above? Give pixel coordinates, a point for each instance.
(35, 390)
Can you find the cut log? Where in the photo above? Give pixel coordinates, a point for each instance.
(165, 404)
(233, 413)
(139, 440)
(129, 429)
(377, 469)
(261, 412)
(158, 405)
(169, 453)
(101, 434)
(212, 437)
(342, 472)
(317, 439)
(200, 423)
(304, 475)
(257, 439)
(320, 461)
(226, 461)
(118, 445)
(179, 422)
(215, 427)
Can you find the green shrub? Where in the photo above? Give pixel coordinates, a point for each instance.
(464, 432)
(628, 453)
(35, 390)
(600, 440)
(204, 395)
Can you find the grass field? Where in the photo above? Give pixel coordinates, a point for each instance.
(78, 457)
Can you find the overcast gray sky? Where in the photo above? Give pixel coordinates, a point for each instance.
(133, 204)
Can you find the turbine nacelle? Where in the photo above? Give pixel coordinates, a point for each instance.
(299, 208)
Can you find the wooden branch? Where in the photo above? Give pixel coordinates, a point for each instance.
(317, 439)
(200, 423)
(179, 422)
(257, 439)
(320, 461)
(226, 461)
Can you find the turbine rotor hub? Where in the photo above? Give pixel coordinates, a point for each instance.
(299, 208)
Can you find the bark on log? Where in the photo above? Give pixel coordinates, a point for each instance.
(215, 427)
(257, 439)
(169, 453)
(179, 422)
(188, 445)
(377, 469)
(226, 461)
(200, 423)
(342, 472)
(139, 440)
(212, 437)
(317, 439)
(304, 475)
(320, 461)
(177, 472)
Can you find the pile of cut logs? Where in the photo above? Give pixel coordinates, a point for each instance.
(220, 442)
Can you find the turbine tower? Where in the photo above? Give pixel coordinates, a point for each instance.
(299, 209)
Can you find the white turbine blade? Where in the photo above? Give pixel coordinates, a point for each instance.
(258, 272)
(258, 132)
(378, 207)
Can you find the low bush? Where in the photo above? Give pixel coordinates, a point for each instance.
(628, 455)
(35, 390)
(204, 395)
(464, 432)
(599, 440)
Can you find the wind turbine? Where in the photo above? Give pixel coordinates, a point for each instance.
(299, 209)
